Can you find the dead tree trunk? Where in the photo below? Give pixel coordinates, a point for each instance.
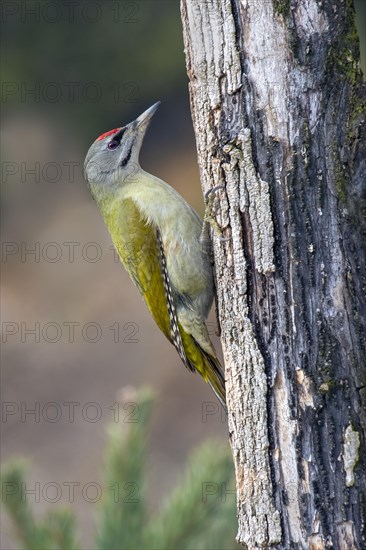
(278, 106)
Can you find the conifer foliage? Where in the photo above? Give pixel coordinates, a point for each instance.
(199, 514)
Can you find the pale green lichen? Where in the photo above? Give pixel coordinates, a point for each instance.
(350, 453)
(281, 7)
(324, 388)
(344, 55)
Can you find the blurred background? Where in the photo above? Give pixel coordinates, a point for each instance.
(75, 331)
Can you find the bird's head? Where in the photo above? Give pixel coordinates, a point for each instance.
(114, 156)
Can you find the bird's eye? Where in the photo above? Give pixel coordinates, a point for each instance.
(113, 145)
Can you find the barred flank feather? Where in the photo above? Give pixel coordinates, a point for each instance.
(207, 365)
(176, 338)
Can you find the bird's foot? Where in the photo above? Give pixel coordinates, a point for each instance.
(208, 219)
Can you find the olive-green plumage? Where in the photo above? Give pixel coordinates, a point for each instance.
(158, 238)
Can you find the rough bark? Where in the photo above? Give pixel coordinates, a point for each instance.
(278, 107)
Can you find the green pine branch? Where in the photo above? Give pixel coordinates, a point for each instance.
(192, 516)
(198, 515)
(122, 514)
(55, 532)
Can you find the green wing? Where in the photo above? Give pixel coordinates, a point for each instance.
(137, 246)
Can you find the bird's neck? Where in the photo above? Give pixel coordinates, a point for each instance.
(106, 191)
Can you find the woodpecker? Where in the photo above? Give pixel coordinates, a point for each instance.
(161, 242)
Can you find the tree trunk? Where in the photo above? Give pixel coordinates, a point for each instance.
(278, 107)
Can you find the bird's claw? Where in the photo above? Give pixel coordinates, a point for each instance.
(209, 220)
(224, 239)
(213, 190)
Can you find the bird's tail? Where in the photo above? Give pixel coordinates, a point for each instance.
(204, 362)
(214, 376)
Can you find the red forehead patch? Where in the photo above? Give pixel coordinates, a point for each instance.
(106, 134)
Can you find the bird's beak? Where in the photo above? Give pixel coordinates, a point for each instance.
(144, 119)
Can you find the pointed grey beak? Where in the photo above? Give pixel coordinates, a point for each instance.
(147, 115)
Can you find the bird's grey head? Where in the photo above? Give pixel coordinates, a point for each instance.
(114, 156)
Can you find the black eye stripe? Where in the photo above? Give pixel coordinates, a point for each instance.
(127, 157)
